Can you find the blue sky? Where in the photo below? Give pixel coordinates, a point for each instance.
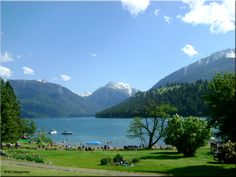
(84, 45)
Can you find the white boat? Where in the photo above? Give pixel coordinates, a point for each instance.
(52, 131)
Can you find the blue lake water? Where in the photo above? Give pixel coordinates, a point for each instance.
(87, 129)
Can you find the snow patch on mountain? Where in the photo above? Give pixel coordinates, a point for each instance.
(230, 54)
(121, 86)
(85, 94)
(186, 70)
(42, 80)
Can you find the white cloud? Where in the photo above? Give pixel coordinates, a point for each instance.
(189, 50)
(93, 54)
(167, 19)
(65, 77)
(219, 16)
(5, 72)
(156, 12)
(6, 57)
(135, 7)
(27, 70)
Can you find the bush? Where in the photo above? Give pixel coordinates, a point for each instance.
(187, 134)
(118, 159)
(226, 153)
(105, 161)
(42, 139)
(27, 156)
(135, 160)
(3, 153)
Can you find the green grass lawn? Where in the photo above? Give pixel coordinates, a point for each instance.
(152, 161)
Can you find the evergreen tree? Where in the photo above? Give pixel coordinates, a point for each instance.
(10, 114)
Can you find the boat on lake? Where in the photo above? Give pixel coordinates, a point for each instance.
(67, 133)
(52, 131)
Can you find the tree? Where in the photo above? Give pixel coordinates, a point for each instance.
(187, 134)
(221, 105)
(136, 130)
(41, 138)
(151, 128)
(28, 127)
(10, 114)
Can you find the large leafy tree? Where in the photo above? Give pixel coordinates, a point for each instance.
(151, 128)
(10, 114)
(221, 104)
(187, 134)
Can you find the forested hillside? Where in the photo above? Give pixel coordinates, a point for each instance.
(44, 99)
(186, 97)
(205, 68)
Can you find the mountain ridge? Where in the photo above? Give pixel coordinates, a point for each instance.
(39, 98)
(205, 68)
(189, 82)
(111, 94)
(45, 99)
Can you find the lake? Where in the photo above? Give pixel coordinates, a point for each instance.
(112, 130)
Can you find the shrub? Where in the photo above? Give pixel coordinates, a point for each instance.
(105, 161)
(3, 153)
(118, 159)
(187, 134)
(27, 156)
(135, 160)
(226, 153)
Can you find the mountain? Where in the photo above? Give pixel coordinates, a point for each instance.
(205, 69)
(183, 88)
(85, 94)
(111, 94)
(186, 97)
(44, 99)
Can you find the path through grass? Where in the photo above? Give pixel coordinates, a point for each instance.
(153, 161)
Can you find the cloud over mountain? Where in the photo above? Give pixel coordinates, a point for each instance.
(27, 70)
(135, 7)
(65, 77)
(6, 57)
(219, 16)
(189, 50)
(5, 72)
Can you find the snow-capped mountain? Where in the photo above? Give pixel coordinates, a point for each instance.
(111, 94)
(205, 69)
(85, 94)
(122, 87)
(230, 54)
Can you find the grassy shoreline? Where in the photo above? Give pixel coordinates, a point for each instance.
(167, 162)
